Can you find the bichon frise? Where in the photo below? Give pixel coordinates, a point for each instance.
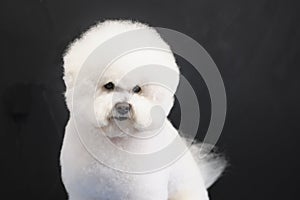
(114, 142)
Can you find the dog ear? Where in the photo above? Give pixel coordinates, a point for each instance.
(69, 77)
(71, 61)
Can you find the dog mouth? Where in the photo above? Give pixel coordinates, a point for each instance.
(121, 118)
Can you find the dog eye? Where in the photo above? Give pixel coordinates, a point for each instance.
(109, 86)
(137, 89)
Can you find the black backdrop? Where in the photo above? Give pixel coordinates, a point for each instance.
(254, 44)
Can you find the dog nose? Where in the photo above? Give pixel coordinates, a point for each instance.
(122, 108)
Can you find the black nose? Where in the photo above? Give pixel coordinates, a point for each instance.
(122, 108)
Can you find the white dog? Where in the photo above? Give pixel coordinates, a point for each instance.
(118, 116)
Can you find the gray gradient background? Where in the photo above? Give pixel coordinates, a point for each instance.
(255, 45)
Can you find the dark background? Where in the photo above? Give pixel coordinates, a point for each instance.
(255, 45)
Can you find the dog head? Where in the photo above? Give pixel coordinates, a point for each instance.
(134, 93)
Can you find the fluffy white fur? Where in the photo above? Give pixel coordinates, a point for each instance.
(84, 177)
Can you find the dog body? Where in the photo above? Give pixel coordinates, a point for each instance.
(87, 178)
(126, 106)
